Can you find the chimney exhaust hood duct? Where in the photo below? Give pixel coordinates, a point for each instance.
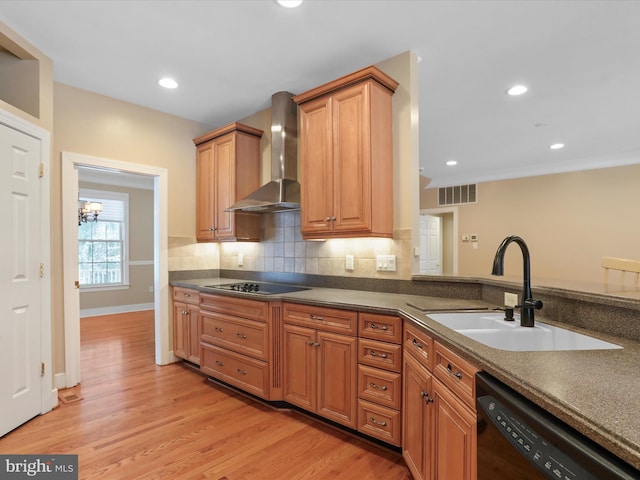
(283, 191)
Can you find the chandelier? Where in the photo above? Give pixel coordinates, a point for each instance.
(88, 211)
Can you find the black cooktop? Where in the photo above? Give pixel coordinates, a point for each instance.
(261, 288)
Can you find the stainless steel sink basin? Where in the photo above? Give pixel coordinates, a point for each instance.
(492, 330)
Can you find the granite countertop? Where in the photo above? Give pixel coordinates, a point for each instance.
(597, 392)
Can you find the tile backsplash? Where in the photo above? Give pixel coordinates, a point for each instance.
(282, 249)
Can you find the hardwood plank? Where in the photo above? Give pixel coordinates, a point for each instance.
(143, 421)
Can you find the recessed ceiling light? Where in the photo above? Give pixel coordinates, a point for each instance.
(451, 163)
(556, 146)
(168, 82)
(289, 3)
(517, 90)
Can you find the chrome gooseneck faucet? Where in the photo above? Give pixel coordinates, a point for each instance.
(528, 303)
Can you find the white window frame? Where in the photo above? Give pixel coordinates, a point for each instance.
(97, 195)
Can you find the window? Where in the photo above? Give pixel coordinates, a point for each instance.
(102, 246)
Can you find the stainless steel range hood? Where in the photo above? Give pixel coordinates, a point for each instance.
(283, 191)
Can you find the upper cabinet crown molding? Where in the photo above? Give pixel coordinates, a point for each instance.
(232, 127)
(371, 72)
(346, 157)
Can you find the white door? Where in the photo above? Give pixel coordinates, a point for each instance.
(20, 284)
(430, 245)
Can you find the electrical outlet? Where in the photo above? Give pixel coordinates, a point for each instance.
(510, 299)
(348, 262)
(386, 263)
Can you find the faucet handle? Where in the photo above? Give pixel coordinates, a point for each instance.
(530, 303)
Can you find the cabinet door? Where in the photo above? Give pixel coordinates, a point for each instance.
(205, 191)
(193, 354)
(417, 414)
(180, 330)
(455, 438)
(352, 158)
(316, 169)
(225, 181)
(300, 366)
(337, 378)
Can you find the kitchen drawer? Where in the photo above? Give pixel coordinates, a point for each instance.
(238, 370)
(321, 318)
(456, 373)
(243, 336)
(380, 327)
(380, 422)
(240, 307)
(418, 344)
(380, 386)
(186, 295)
(380, 354)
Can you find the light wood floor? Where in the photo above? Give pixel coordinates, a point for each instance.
(137, 420)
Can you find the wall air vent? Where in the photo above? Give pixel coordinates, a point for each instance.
(457, 195)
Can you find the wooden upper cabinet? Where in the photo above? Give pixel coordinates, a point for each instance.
(346, 150)
(227, 170)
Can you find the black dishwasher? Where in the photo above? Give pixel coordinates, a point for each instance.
(517, 440)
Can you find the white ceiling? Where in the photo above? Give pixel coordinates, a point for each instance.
(580, 59)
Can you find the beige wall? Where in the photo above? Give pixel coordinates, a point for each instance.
(140, 250)
(568, 220)
(99, 126)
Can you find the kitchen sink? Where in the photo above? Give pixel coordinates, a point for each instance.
(492, 330)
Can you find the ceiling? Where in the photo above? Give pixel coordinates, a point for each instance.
(580, 60)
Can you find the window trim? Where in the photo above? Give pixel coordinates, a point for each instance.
(97, 195)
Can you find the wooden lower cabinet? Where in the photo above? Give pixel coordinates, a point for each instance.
(186, 325)
(320, 373)
(439, 427)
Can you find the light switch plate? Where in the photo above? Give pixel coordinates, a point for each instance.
(348, 262)
(386, 263)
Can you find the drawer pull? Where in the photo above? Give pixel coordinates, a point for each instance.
(426, 397)
(184, 312)
(376, 354)
(455, 374)
(381, 387)
(417, 344)
(376, 422)
(187, 295)
(218, 329)
(383, 327)
(219, 363)
(241, 335)
(313, 344)
(316, 317)
(241, 372)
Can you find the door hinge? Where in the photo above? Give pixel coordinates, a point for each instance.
(41, 270)
(76, 284)
(42, 368)
(41, 170)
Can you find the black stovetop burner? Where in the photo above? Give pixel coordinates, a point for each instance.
(259, 287)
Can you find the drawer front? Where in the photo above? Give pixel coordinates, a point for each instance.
(380, 422)
(240, 307)
(238, 370)
(380, 354)
(380, 386)
(418, 344)
(186, 295)
(456, 373)
(243, 336)
(322, 318)
(380, 327)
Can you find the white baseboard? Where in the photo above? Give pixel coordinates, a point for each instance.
(60, 381)
(54, 398)
(95, 312)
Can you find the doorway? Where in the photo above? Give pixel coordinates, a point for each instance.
(70, 164)
(447, 234)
